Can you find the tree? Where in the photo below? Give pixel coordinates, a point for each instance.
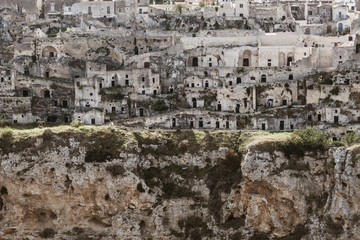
(159, 106)
(179, 8)
(202, 4)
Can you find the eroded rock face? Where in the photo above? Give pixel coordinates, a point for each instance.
(219, 194)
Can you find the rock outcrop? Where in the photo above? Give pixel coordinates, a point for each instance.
(114, 184)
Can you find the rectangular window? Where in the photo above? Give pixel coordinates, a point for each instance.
(89, 10)
(241, 5)
(108, 10)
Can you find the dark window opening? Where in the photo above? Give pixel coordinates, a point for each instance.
(113, 109)
(93, 121)
(195, 62)
(245, 62)
(263, 126)
(25, 93)
(65, 103)
(263, 78)
(46, 94)
(282, 125)
(238, 80)
(201, 124)
(141, 112)
(289, 61)
(194, 102)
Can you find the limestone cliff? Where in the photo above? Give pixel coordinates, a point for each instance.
(115, 184)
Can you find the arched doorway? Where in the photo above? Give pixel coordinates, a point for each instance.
(246, 58)
(47, 73)
(206, 84)
(263, 78)
(195, 62)
(194, 102)
(289, 60)
(46, 93)
(340, 27)
(49, 51)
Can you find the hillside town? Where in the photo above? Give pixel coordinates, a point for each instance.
(225, 64)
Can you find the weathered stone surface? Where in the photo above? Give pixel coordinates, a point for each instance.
(54, 193)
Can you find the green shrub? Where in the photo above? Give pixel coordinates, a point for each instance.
(159, 106)
(6, 141)
(302, 140)
(115, 170)
(53, 86)
(76, 123)
(351, 138)
(4, 123)
(335, 91)
(105, 147)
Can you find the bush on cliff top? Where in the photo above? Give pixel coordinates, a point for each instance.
(302, 140)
